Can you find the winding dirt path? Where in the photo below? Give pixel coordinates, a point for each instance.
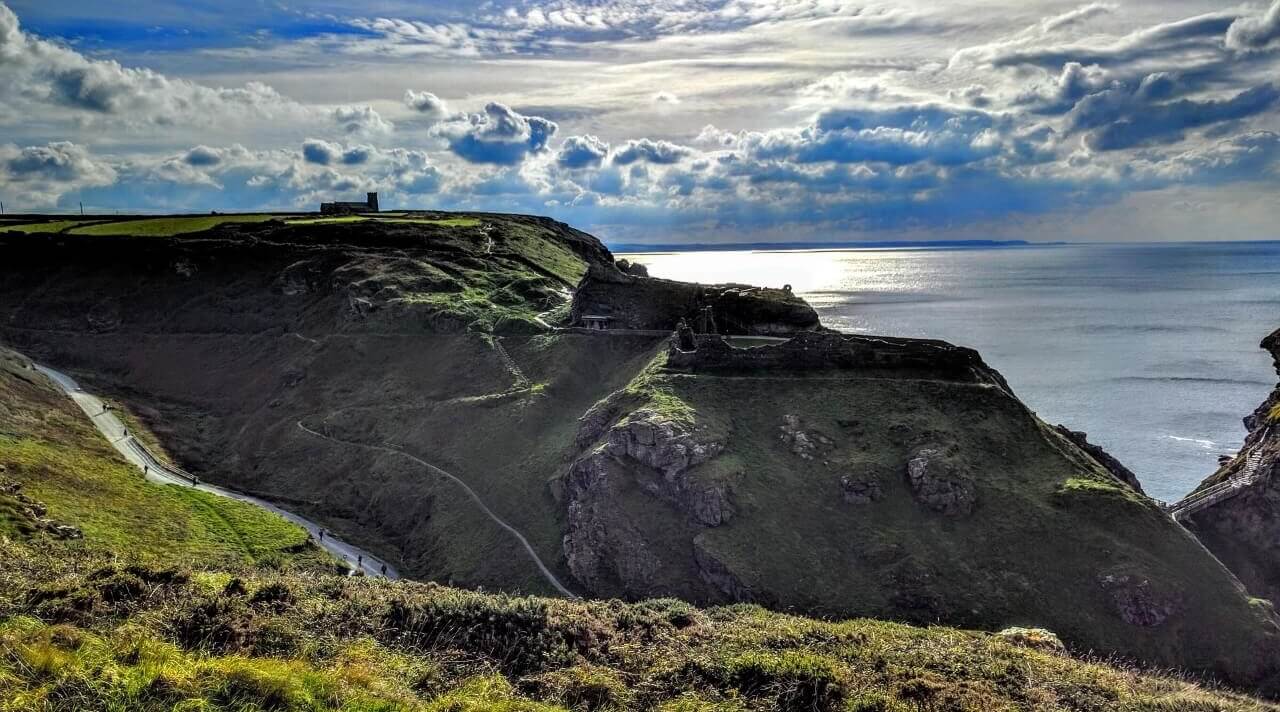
(159, 472)
(533, 555)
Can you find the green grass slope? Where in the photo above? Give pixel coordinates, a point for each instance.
(1053, 539)
(120, 636)
(49, 448)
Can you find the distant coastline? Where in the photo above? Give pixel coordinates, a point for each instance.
(632, 247)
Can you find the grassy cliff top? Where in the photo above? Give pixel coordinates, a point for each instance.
(130, 637)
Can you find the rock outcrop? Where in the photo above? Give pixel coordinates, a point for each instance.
(1244, 530)
(640, 302)
(831, 351)
(1103, 457)
(604, 547)
(28, 515)
(938, 483)
(1137, 602)
(860, 491)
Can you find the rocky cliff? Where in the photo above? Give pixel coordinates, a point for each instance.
(839, 475)
(641, 302)
(892, 478)
(1244, 530)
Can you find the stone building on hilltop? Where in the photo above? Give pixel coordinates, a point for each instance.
(369, 206)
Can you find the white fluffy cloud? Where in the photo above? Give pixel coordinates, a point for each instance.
(898, 131)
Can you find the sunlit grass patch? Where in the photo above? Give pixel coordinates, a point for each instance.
(42, 227)
(166, 227)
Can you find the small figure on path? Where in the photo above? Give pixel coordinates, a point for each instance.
(195, 481)
(384, 571)
(146, 469)
(360, 560)
(322, 535)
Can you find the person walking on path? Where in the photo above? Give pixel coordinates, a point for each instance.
(321, 536)
(360, 561)
(384, 571)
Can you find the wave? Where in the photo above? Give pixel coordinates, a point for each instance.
(1202, 442)
(1193, 379)
(1147, 329)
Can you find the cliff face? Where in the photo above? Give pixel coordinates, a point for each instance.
(842, 475)
(1244, 531)
(639, 302)
(890, 478)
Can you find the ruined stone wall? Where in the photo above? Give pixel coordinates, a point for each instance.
(646, 303)
(827, 350)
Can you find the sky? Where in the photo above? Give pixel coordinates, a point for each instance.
(662, 121)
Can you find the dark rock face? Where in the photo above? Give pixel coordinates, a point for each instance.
(713, 571)
(1104, 458)
(605, 548)
(860, 491)
(640, 302)
(1244, 531)
(938, 483)
(1137, 602)
(812, 351)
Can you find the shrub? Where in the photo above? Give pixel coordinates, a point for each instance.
(795, 679)
(585, 687)
(513, 631)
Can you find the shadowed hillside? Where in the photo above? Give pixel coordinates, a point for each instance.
(405, 382)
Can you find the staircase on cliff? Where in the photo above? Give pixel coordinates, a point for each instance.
(1248, 475)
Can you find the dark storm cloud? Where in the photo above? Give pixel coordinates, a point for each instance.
(1121, 118)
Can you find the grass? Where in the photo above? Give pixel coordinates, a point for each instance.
(78, 638)
(43, 227)
(439, 222)
(166, 227)
(1273, 416)
(1049, 523)
(48, 446)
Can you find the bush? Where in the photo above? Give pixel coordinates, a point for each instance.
(581, 687)
(795, 679)
(513, 631)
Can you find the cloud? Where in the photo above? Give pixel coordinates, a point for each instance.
(499, 135)
(426, 104)
(38, 72)
(1255, 33)
(666, 97)
(324, 153)
(360, 120)
(37, 176)
(202, 156)
(649, 151)
(582, 152)
(1120, 118)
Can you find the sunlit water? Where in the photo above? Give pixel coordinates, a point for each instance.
(1151, 349)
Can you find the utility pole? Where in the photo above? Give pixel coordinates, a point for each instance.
(82, 208)
(1, 207)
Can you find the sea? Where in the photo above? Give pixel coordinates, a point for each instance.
(1152, 349)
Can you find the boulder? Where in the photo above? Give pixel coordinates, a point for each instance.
(860, 491)
(1137, 602)
(937, 483)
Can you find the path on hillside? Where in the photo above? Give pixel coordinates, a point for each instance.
(546, 572)
(156, 471)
